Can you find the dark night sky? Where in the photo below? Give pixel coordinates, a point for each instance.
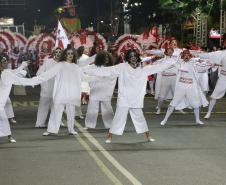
(30, 12)
(87, 10)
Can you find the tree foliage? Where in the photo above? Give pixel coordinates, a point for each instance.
(168, 11)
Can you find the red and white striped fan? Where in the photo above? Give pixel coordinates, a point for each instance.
(21, 40)
(126, 45)
(45, 41)
(10, 35)
(31, 43)
(4, 43)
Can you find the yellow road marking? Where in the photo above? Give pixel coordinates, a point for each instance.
(109, 157)
(101, 165)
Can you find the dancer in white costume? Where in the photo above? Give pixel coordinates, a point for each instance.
(202, 74)
(218, 58)
(9, 107)
(46, 94)
(166, 80)
(85, 89)
(101, 92)
(160, 52)
(83, 55)
(132, 82)
(187, 90)
(9, 77)
(66, 92)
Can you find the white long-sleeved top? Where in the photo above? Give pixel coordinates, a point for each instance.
(160, 52)
(8, 78)
(216, 57)
(67, 85)
(132, 82)
(85, 60)
(102, 89)
(67, 82)
(47, 87)
(82, 59)
(169, 71)
(188, 70)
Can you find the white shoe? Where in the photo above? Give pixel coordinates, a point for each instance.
(200, 122)
(12, 140)
(46, 133)
(151, 139)
(85, 128)
(207, 116)
(158, 111)
(163, 122)
(73, 133)
(108, 140)
(12, 120)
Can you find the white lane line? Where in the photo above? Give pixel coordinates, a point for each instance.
(101, 165)
(179, 113)
(185, 113)
(108, 156)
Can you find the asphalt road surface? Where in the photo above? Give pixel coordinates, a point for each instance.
(184, 153)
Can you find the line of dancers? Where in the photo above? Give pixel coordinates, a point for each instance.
(61, 78)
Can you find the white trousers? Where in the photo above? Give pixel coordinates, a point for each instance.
(203, 79)
(9, 109)
(44, 106)
(188, 93)
(220, 88)
(92, 113)
(56, 116)
(4, 124)
(119, 120)
(167, 87)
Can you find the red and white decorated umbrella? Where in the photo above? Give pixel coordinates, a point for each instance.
(123, 38)
(126, 45)
(45, 41)
(21, 40)
(44, 46)
(5, 43)
(167, 42)
(88, 38)
(81, 39)
(31, 43)
(11, 37)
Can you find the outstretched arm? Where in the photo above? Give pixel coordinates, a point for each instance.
(157, 52)
(213, 57)
(9, 77)
(102, 71)
(159, 67)
(20, 70)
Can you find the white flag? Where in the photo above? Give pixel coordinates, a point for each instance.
(61, 37)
